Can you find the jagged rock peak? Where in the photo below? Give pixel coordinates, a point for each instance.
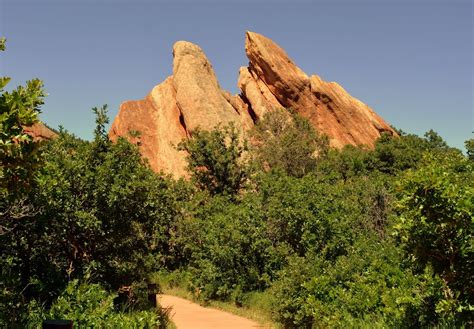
(332, 110)
(192, 98)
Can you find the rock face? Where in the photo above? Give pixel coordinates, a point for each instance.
(39, 132)
(192, 99)
(345, 119)
(161, 127)
(198, 94)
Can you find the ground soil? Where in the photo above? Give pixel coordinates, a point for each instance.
(189, 315)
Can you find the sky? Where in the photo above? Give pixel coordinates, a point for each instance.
(411, 61)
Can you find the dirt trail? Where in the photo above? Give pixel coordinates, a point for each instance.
(188, 315)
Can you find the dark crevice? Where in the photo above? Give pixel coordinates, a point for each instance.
(323, 97)
(229, 100)
(182, 121)
(252, 113)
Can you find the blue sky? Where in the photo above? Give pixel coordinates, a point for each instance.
(411, 61)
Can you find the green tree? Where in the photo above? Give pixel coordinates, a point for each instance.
(20, 158)
(104, 207)
(393, 155)
(100, 209)
(18, 151)
(470, 148)
(282, 139)
(346, 163)
(436, 227)
(216, 160)
(101, 138)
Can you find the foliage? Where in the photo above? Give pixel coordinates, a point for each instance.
(320, 243)
(228, 251)
(19, 156)
(101, 208)
(470, 148)
(116, 210)
(350, 161)
(436, 227)
(316, 215)
(393, 155)
(89, 305)
(366, 286)
(237, 246)
(19, 160)
(390, 157)
(215, 160)
(282, 139)
(18, 150)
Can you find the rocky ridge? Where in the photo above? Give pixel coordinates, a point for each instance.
(191, 98)
(39, 131)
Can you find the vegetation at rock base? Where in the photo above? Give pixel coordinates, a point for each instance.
(89, 305)
(215, 160)
(285, 140)
(70, 207)
(321, 237)
(435, 227)
(99, 208)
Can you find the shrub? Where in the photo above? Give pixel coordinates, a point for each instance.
(393, 155)
(367, 285)
(229, 253)
(99, 206)
(19, 161)
(436, 228)
(215, 160)
(91, 306)
(285, 140)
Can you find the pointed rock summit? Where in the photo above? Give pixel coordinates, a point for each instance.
(192, 99)
(198, 94)
(331, 110)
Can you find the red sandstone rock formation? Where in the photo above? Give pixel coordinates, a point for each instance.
(161, 127)
(345, 119)
(39, 132)
(192, 98)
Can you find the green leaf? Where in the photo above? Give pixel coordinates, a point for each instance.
(4, 81)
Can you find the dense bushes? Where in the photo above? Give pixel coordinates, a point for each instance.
(366, 285)
(228, 250)
(435, 228)
(89, 305)
(321, 241)
(105, 208)
(99, 208)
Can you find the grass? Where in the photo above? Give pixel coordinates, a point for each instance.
(257, 305)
